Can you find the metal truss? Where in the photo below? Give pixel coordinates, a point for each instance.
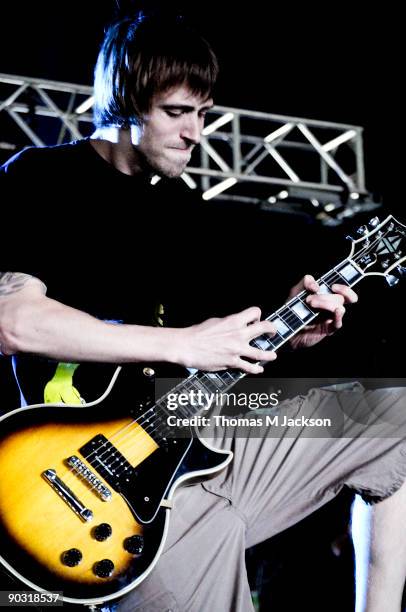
(244, 155)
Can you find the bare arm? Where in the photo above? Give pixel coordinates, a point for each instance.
(30, 322)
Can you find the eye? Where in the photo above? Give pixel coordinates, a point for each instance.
(173, 113)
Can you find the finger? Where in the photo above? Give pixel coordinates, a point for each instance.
(257, 354)
(260, 328)
(327, 301)
(338, 317)
(248, 316)
(337, 322)
(249, 368)
(307, 282)
(310, 283)
(350, 297)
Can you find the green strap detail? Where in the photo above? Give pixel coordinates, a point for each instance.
(159, 314)
(60, 388)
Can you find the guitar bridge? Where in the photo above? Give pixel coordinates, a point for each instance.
(67, 495)
(82, 471)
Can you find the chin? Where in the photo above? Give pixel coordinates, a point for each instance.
(170, 171)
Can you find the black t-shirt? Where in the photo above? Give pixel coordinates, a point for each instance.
(90, 232)
(115, 246)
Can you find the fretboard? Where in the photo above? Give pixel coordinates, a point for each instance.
(288, 320)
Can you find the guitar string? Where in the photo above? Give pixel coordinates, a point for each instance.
(290, 317)
(147, 426)
(332, 276)
(329, 279)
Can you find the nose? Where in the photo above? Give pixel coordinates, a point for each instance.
(192, 128)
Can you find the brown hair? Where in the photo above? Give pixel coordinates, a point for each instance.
(146, 55)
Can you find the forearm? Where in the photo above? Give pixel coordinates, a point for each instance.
(32, 323)
(46, 327)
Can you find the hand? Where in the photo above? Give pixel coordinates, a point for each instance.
(218, 344)
(331, 306)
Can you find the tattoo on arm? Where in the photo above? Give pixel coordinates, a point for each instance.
(11, 282)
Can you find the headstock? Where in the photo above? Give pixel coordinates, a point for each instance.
(381, 249)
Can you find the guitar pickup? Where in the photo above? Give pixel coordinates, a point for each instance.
(95, 484)
(67, 495)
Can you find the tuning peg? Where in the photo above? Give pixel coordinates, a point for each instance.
(362, 230)
(392, 280)
(374, 222)
(401, 270)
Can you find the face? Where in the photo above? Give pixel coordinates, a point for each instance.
(170, 131)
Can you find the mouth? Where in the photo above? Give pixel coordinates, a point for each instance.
(182, 149)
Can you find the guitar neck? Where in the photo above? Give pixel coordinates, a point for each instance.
(295, 314)
(289, 319)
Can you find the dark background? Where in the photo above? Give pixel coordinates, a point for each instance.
(334, 62)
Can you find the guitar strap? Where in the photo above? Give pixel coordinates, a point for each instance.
(60, 388)
(23, 401)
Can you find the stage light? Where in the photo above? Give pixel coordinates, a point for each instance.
(217, 123)
(279, 132)
(188, 180)
(336, 142)
(219, 188)
(82, 108)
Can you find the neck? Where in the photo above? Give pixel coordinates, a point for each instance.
(115, 146)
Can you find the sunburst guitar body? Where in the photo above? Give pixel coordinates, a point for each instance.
(85, 496)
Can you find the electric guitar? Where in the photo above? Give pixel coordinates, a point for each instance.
(86, 491)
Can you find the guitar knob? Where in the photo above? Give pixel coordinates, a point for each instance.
(71, 557)
(134, 544)
(102, 532)
(103, 568)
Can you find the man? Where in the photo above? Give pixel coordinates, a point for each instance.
(104, 246)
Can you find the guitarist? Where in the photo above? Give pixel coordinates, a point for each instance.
(103, 244)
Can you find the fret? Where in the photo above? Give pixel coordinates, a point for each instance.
(290, 318)
(235, 376)
(349, 273)
(283, 330)
(197, 383)
(187, 387)
(277, 340)
(262, 342)
(324, 288)
(216, 379)
(227, 377)
(302, 310)
(210, 382)
(341, 280)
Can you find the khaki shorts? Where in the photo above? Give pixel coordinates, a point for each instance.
(273, 482)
